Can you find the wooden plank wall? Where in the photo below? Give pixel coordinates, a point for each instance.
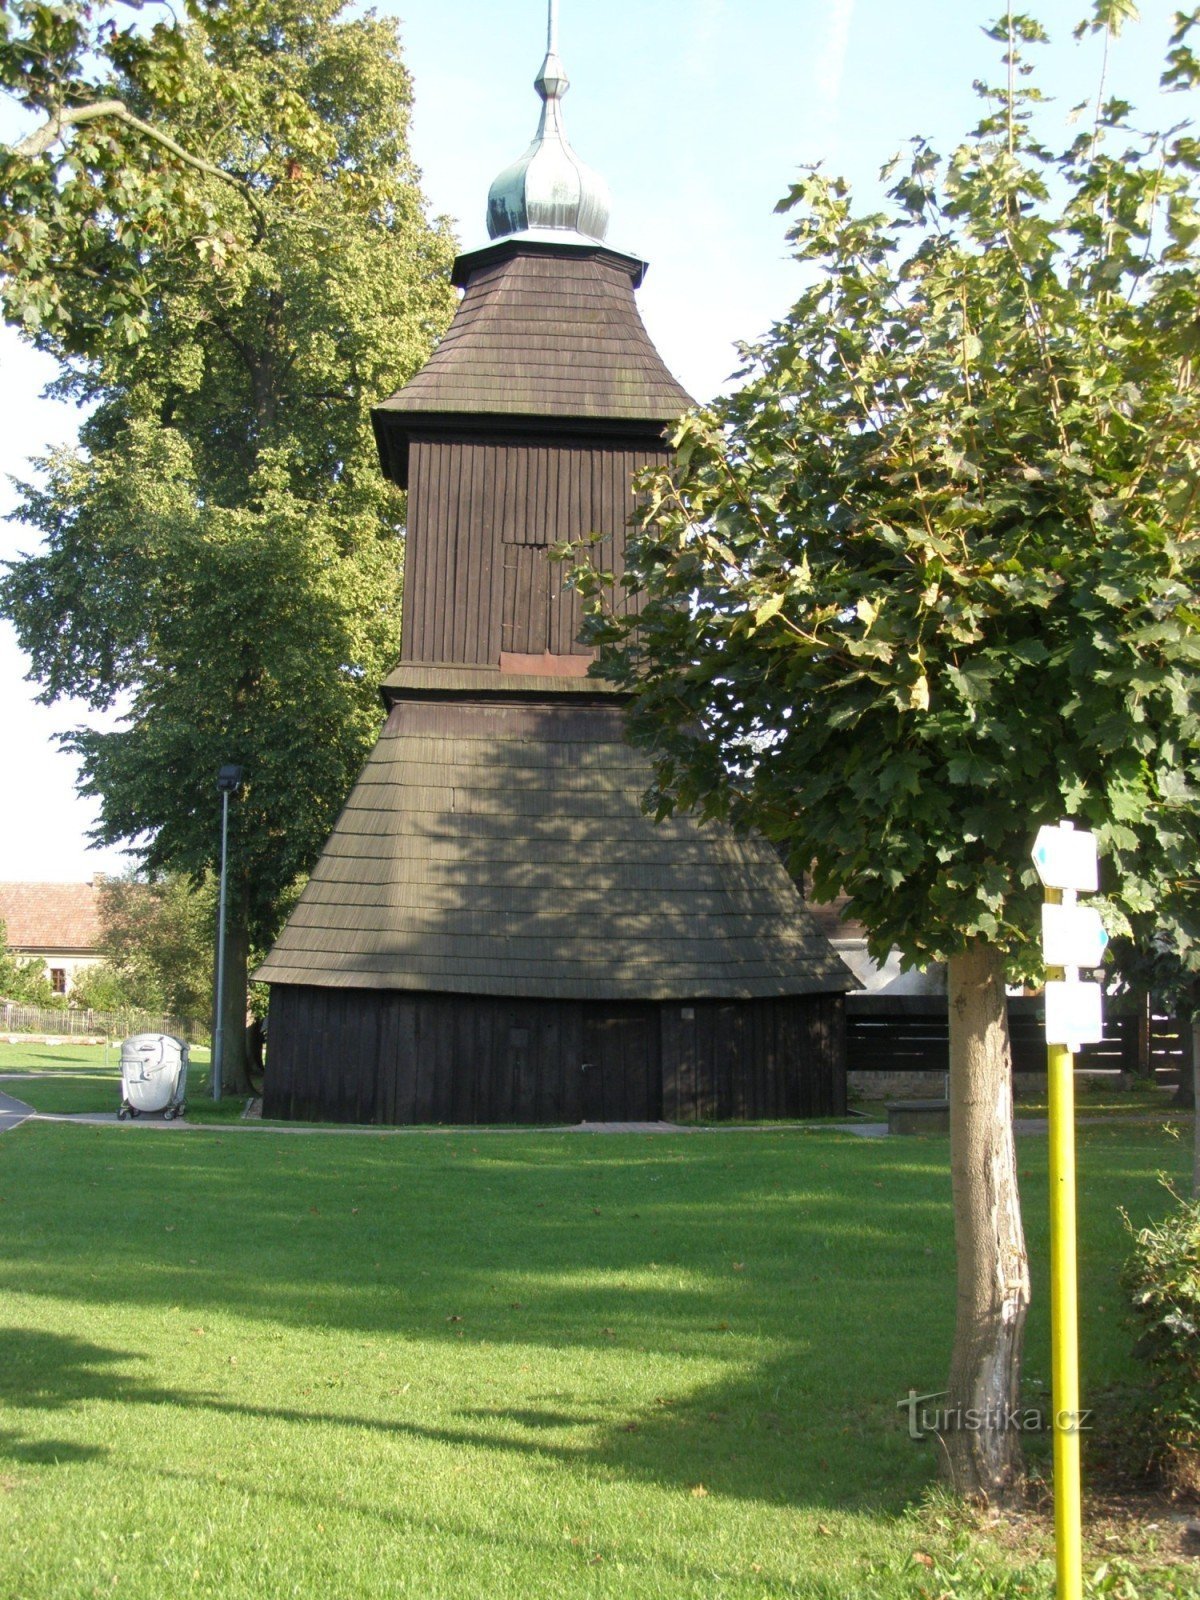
(482, 518)
(728, 1059)
(391, 1057)
(910, 1033)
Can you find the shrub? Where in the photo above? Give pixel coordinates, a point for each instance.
(1162, 1277)
(103, 987)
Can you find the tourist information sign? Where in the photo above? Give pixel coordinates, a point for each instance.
(1073, 937)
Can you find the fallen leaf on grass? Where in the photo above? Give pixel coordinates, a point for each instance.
(922, 1559)
(454, 1319)
(824, 1528)
(699, 1492)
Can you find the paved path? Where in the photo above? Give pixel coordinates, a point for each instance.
(13, 1112)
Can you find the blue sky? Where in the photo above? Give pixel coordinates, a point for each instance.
(699, 113)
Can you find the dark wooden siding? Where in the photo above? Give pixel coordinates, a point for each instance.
(482, 517)
(353, 1055)
(766, 1058)
(911, 1033)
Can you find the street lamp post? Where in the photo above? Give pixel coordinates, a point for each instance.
(228, 780)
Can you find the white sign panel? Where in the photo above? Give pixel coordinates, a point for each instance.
(1074, 1014)
(1065, 858)
(1072, 936)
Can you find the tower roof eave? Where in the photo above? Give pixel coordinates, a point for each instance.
(544, 331)
(545, 242)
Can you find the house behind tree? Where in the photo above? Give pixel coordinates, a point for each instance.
(56, 923)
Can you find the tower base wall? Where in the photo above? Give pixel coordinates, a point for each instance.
(398, 1057)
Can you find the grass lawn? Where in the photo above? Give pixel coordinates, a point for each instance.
(88, 1077)
(488, 1365)
(1093, 1098)
(31, 1056)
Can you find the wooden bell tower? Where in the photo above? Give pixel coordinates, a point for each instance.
(495, 931)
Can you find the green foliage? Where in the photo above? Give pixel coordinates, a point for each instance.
(23, 978)
(149, 139)
(159, 937)
(105, 987)
(1162, 1279)
(926, 580)
(221, 557)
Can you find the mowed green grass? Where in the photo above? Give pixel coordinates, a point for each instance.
(486, 1364)
(79, 1078)
(34, 1056)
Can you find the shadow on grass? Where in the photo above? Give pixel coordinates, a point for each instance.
(742, 1451)
(48, 1452)
(739, 1314)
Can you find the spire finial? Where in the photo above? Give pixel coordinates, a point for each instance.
(549, 188)
(552, 81)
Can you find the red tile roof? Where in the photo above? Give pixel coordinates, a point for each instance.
(51, 916)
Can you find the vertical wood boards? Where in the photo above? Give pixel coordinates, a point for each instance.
(353, 1055)
(483, 517)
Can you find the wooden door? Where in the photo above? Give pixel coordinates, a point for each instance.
(621, 1076)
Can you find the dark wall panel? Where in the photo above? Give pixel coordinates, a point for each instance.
(354, 1055)
(482, 517)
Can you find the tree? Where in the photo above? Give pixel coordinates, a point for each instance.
(158, 936)
(104, 987)
(100, 187)
(23, 978)
(926, 581)
(221, 557)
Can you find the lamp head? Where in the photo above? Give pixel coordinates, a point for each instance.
(229, 779)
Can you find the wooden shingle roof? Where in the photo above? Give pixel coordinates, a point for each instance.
(538, 334)
(501, 849)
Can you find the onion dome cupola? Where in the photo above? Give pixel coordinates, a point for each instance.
(549, 188)
(548, 333)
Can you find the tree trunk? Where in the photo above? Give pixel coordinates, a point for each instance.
(1196, 1104)
(235, 1079)
(982, 1447)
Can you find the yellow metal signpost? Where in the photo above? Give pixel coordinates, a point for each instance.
(1072, 937)
(1064, 1337)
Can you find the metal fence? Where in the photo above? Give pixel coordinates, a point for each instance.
(72, 1023)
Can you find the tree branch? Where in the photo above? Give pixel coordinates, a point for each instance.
(41, 139)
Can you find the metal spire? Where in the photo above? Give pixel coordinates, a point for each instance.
(549, 188)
